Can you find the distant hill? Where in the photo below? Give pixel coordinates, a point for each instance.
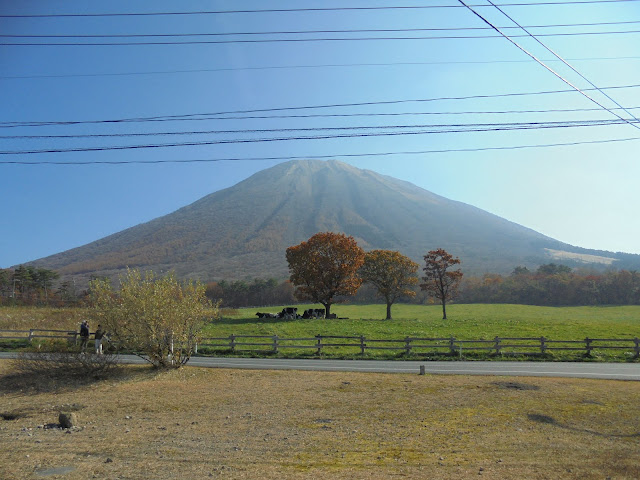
(243, 231)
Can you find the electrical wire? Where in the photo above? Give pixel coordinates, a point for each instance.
(282, 139)
(164, 118)
(293, 10)
(579, 90)
(282, 67)
(461, 126)
(571, 67)
(307, 32)
(347, 155)
(297, 40)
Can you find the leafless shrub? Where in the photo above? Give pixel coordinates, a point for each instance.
(66, 365)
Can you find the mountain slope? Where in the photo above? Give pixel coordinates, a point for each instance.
(243, 231)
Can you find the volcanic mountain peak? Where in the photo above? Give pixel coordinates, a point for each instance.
(243, 231)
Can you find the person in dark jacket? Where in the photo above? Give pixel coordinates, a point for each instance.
(84, 335)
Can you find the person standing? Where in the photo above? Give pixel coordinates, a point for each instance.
(84, 335)
(99, 336)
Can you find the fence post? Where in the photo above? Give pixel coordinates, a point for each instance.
(196, 349)
(543, 345)
(30, 335)
(637, 347)
(407, 345)
(452, 345)
(275, 344)
(588, 346)
(319, 344)
(232, 342)
(362, 344)
(497, 345)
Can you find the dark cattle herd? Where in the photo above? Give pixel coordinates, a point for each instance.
(289, 313)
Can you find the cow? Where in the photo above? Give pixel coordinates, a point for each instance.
(266, 315)
(314, 313)
(288, 313)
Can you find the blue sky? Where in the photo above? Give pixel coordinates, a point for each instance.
(585, 194)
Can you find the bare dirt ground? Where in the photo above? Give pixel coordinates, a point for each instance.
(207, 423)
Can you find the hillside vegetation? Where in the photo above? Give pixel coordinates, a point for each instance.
(243, 231)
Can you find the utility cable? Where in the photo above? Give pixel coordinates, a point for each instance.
(581, 91)
(280, 139)
(181, 117)
(307, 32)
(284, 67)
(461, 126)
(294, 40)
(570, 66)
(308, 157)
(293, 10)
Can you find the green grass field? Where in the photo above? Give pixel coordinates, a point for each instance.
(465, 322)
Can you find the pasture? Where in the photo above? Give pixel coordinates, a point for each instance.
(465, 322)
(207, 423)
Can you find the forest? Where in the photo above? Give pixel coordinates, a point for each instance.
(548, 285)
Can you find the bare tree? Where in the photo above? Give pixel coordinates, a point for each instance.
(439, 280)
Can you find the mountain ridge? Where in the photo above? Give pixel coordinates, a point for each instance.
(243, 231)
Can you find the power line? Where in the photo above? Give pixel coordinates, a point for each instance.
(293, 138)
(579, 90)
(282, 67)
(299, 40)
(461, 126)
(306, 32)
(292, 10)
(347, 155)
(295, 108)
(574, 70)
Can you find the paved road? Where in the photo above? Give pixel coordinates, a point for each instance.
(608, 371)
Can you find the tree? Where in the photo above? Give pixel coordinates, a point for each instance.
(439, 281)
(158, 318)
(324, 267)
(553, 269)
(391, 273)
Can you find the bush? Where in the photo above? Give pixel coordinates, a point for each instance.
(159, 319)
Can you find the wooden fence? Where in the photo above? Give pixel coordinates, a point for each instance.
(29, 335)
(451, 345)
(360, 344)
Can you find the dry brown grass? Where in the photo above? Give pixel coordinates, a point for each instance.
(24, 318)
(195, 423)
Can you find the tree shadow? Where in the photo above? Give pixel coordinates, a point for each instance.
(261, 321)
(25, 377)
(545, 419)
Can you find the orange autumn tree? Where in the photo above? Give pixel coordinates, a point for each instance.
(441, 282)
(324, 267)
(392, 273)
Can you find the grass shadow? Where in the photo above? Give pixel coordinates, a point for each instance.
(251, 321)
(545, 419)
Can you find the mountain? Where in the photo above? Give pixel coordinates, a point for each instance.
(243, 231)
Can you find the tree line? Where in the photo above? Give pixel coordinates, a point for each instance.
(554, 285)
(383, 274)
(29, 285)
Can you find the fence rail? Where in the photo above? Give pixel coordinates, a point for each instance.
(361, 344)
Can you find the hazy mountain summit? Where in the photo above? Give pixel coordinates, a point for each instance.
(243, 231)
